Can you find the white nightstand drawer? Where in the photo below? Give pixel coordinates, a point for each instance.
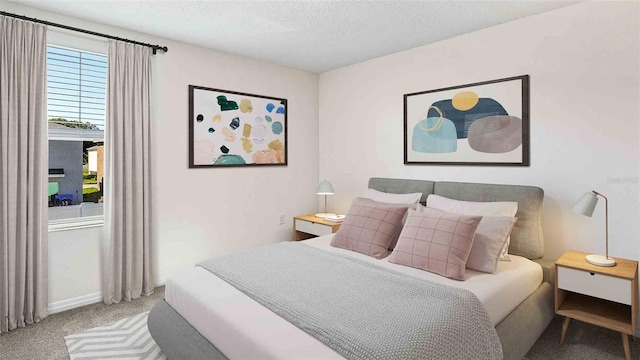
(596, 285)
(313, 228)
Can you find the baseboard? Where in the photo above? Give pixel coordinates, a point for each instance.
(68, 304)
(64, 305)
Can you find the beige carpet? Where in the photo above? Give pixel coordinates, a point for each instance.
(582, 342)
(45, 341)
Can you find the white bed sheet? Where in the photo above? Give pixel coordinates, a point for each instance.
(241, 328)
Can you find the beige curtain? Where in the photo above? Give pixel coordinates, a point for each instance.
(128, 272)
(23, 174)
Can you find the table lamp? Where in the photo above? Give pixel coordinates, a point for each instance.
(585, 206)
(325, 189)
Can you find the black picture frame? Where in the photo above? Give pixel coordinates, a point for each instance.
(201, 109)
(424, 152)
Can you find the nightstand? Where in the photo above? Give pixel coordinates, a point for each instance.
(603, 296)
(308, 226)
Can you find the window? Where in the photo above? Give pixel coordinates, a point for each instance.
(76, 100)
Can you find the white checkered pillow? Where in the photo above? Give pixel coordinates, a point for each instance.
(370, 227)
(436, 241)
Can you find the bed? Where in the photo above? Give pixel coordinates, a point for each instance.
(204, 317)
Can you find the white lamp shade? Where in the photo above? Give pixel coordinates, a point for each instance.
(586, 204)
(325, 188)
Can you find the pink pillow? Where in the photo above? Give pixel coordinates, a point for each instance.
(436, 241)
(488, 208)
(370, 227)
(489, 242)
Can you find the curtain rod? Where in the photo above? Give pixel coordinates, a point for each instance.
(154, 48)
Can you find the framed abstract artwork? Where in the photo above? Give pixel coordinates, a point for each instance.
(485, 123)
(228, 128)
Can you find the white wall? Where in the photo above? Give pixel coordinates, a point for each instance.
(201, 213)
(74, 268)
(584, 67)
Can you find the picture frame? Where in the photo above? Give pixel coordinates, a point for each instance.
(236, 129)
(478, 124)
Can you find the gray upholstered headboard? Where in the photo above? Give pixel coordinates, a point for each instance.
(526, 237)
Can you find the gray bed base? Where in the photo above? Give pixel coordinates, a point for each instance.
(176, 337)
(517, 332)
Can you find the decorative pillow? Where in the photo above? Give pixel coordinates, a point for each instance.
(389, 198)
(380, 196)
(370, 227)
(490, 241)
(436, 241)
(491, 238)
(486, 208)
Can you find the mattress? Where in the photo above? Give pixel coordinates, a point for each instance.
(242, 328)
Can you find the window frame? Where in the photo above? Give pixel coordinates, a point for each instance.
(88, 46)
(76, 223)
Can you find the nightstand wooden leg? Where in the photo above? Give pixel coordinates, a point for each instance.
(565, 325)
(625, 343)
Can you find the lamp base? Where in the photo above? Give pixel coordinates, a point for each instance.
(599, 260)
(325, 215)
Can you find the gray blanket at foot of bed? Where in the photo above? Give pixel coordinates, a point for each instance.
(361, 310)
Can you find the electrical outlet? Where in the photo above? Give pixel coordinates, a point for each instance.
(281, 219)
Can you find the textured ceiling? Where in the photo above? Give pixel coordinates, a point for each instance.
(310, 35)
